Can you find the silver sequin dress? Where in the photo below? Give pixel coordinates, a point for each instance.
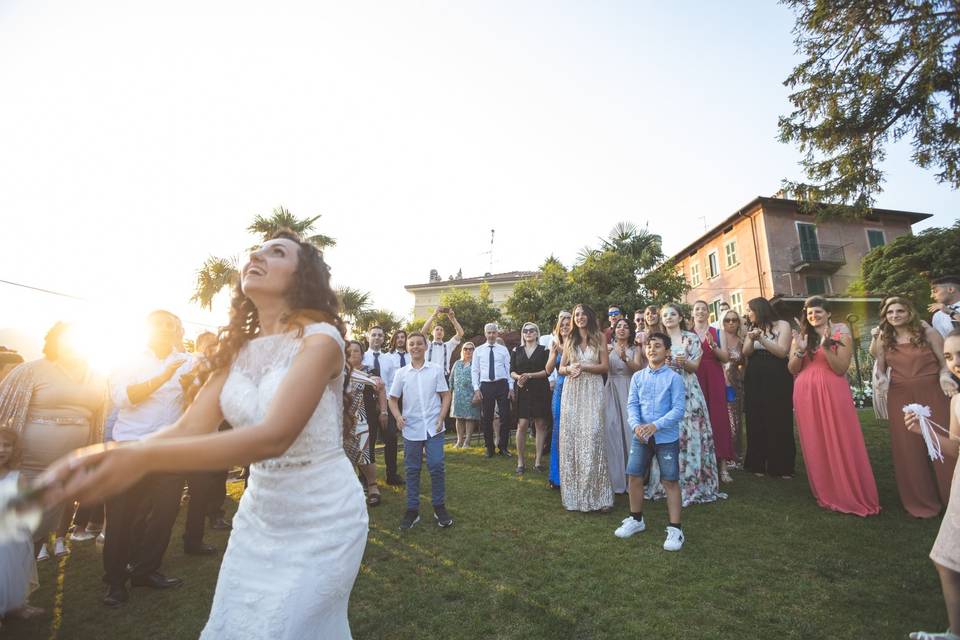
(584, 478)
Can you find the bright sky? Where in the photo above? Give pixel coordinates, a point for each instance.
(137, 139)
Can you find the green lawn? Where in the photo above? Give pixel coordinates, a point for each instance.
(767, 563)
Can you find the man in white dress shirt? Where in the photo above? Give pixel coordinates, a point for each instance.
(149, 393)
(493, 387)
(390, 363)
(438, 351)
(945, 292)
(371, 358)
(426, 400)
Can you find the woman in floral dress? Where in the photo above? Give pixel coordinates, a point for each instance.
(463, 409)
(698, 461)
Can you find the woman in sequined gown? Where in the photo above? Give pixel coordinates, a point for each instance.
(293, 554)
(584, 478)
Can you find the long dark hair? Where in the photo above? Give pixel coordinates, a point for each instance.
(310, 298)
(763, 313)
(630, 331)
(813, 338)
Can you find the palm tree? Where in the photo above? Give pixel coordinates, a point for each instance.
(281, 218)
(353, 303)
(217, 273)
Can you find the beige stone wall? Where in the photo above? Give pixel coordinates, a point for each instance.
(426, 300)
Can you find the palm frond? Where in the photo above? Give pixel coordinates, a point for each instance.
(353, 302)
(215, 274)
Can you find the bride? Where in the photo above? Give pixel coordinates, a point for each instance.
(300, 530)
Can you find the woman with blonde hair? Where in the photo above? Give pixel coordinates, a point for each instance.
(918, 374)
(462, 408)
(55, 404)
(732, 340)
(528, 364)
(584, 477)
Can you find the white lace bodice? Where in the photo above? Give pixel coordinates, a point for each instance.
(301, 527)
(254, 378)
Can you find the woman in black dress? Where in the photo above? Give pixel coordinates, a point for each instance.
(768, 393)
(528, 369)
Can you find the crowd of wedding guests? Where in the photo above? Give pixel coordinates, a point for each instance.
(665, 406)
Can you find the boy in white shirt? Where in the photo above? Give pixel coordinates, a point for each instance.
(426, 400)
(438, 351)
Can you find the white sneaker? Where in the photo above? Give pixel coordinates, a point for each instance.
(82, 536)
(44, 554)
(60, 548)
(674, 541)
(629, 527)
(101, 539)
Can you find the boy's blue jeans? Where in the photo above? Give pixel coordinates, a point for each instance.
(412, 454)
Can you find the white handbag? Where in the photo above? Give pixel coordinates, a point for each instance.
(881, 386)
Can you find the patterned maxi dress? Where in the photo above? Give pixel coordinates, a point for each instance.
(584, 478)
(462, 387)
(733, 373)
(698, 460)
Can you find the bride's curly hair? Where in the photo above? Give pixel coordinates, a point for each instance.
(311, 299)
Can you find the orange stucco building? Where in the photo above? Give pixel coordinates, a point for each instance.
(768, 248)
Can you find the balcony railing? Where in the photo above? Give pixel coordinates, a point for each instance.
(815, 256)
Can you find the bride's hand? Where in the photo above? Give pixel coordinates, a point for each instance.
(93, 473)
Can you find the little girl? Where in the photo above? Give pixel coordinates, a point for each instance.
(19, 575)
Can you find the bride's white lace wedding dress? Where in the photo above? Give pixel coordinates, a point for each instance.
(299, 533)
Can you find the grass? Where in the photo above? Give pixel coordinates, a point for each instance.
(766, 563)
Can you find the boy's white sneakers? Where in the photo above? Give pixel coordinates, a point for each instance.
(674, 541)
(629, 527)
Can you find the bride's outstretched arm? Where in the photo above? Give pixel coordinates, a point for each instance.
(97, 472)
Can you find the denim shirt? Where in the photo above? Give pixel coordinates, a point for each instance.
(657, 396)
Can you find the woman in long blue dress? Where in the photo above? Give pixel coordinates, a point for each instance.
(560, 333)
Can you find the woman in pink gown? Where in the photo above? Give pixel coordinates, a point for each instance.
(713, 382)
(834, 453)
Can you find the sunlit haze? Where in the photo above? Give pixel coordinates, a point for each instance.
(138, 139)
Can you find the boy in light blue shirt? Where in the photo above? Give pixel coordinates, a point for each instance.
(655, 407)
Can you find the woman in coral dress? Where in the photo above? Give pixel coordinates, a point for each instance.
(834, 452)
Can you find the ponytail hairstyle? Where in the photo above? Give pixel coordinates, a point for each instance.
(807, 329)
